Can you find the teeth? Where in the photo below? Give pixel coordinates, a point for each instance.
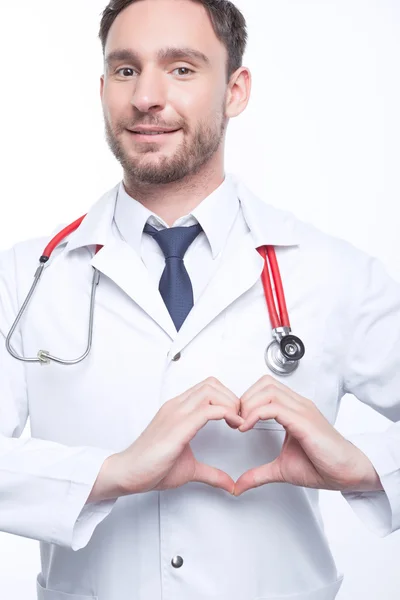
(151, 132)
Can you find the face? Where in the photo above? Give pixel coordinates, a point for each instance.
(171, 76)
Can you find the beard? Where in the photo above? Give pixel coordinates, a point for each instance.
(190, 156)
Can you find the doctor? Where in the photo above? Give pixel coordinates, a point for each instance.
(172, 463)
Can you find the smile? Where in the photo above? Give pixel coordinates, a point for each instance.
(152, 136)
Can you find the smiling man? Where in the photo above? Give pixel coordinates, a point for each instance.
(173, 84)
(178, 458)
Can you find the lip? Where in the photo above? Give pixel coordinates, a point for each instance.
(142, 137)
(153, 128)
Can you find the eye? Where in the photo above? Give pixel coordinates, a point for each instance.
(124, 69)
(184, 69)
(188, 71)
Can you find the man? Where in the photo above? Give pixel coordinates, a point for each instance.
(172, 462)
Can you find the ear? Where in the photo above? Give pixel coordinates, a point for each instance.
(239, 90)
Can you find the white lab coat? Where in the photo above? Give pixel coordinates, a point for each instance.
(268, 544)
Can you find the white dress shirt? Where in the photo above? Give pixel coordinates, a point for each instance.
(216, 214)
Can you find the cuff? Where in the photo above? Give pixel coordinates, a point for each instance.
(91, 516)
(379, 510)
(78, 520)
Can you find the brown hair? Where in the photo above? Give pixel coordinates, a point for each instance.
(228, 23)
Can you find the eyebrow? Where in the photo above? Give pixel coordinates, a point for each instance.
(163, 55)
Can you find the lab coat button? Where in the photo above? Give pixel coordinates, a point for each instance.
(177, 562)
(177, 357)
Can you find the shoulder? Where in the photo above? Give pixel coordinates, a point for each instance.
(22, 259)
(314, 240)
(347, 272)
(275, 226)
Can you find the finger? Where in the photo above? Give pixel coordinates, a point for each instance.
(219, 385)
(214, 477)
(214, 383)
(217, 413)
(182, 397)
(187, 425)
(258, 385)
(207, 395)
(264, 397)
(282, 414)
(210, 380)
(269, 473)
(264, 383)
(287, 389)
(232, 418)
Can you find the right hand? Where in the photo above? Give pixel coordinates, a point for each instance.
(161, 457)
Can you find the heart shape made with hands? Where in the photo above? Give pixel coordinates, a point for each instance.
(314, 454)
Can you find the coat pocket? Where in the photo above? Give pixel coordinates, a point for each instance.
(328, 592)
(269, 424)
(48, 594)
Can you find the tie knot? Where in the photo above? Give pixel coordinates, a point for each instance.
(174, 241)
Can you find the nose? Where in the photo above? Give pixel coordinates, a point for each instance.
(150, 92)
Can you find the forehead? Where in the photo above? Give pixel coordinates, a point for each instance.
(148, 25)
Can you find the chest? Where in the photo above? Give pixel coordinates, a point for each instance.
(108, 399)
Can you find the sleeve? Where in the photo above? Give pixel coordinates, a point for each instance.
(44, 485)
(371, 372)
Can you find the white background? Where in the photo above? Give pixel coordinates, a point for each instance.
(320, 137)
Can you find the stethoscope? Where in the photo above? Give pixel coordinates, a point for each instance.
(282, 355)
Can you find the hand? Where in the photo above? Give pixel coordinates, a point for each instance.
(161, 458)
(314, 454)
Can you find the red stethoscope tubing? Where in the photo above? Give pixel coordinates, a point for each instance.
(281, 320)
(267, 253)
(47, 252)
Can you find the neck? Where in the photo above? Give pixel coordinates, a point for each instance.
(174, 200)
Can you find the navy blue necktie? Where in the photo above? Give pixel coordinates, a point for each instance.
(175, 285)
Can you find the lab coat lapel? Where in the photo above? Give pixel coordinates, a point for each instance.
(118, 261)
(242, 266)
(238, 272)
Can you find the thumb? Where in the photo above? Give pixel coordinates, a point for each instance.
(257, 477)
(214, 477)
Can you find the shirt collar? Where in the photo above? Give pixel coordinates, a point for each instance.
(215, 214)
(268, 225)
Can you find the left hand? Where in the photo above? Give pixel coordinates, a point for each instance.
(314, 454)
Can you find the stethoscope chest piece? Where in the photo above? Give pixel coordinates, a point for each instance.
(283, 354)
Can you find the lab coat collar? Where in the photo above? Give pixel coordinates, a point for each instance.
(268, 225)
(216, 215)
(239, 271)
(96, 228)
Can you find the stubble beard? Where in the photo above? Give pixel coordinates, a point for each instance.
(190, 156)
